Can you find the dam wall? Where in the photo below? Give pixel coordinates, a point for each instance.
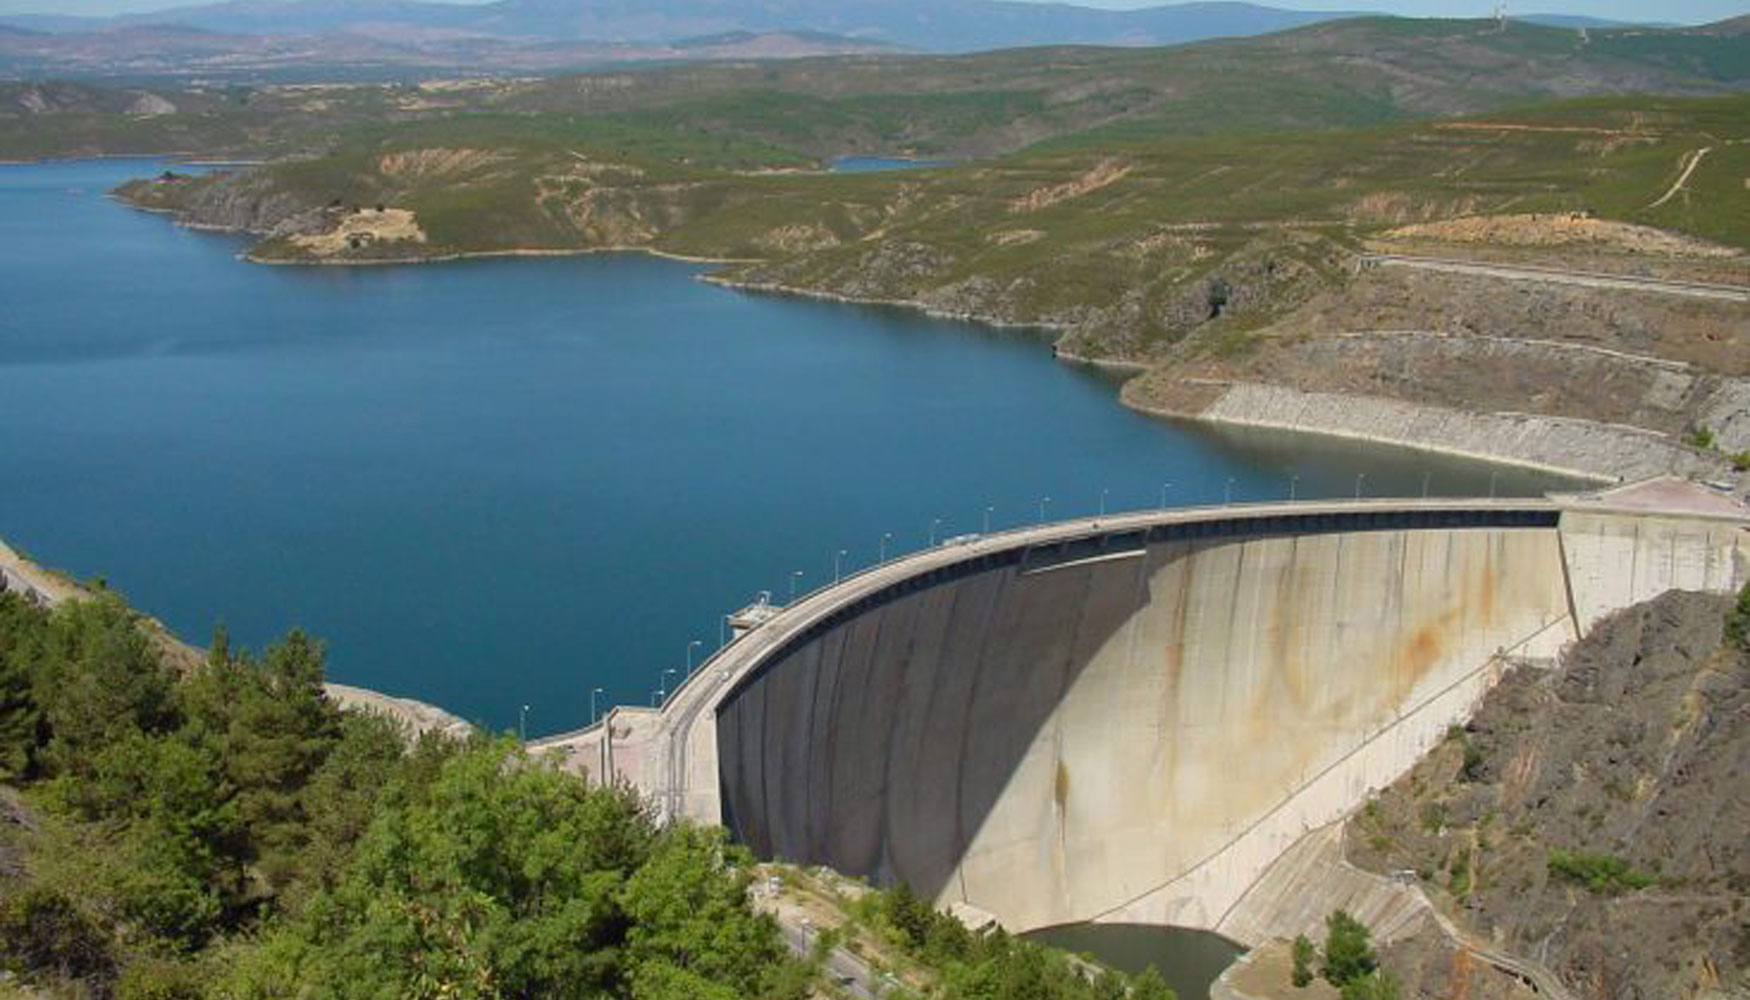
(1130, 728)
(1142, 718)
(1618, 558)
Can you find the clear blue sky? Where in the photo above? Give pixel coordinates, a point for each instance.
(1688, 11)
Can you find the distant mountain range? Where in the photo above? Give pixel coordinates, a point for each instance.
(312, 39)
(156, 50)
(926, 25)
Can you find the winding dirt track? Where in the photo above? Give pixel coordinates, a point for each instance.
(1683, 178)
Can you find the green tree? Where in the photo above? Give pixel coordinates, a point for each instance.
(42, 929)
(1372, 986)
(341, 796)
(97, 679)
(689, 909)
(489, 874)
(1605, 874)
(1738, 621)
(1348, 949)
(20, 718)
(1150, 986)
(657, 981)
(1304, 956)
(908, 915)
(272, 727)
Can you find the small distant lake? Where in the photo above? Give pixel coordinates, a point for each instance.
(877, 164)
(498, 483)
(1189, 960)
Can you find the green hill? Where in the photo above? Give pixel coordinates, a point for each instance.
(1342, 74)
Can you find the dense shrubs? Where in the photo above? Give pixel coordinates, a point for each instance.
(1350, 963)
(1738, 621)
(996, 966)
(230, 833)
(1605, 874)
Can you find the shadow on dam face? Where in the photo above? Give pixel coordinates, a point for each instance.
(1094, 729)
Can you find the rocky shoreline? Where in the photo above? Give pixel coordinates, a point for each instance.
(1558, 440)
(1565, 446)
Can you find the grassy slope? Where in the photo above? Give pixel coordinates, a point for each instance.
(1131, 262)
(1345, 74)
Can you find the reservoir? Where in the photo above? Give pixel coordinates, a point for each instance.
(504, 483)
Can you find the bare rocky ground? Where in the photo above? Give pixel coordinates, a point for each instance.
(1634, 749)
(1659, 362)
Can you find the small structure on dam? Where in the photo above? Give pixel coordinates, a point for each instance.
(1133, 719)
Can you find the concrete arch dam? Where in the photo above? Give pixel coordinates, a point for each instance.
(1131, 719)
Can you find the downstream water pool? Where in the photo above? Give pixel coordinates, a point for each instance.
(505, 482)
(1189, 960)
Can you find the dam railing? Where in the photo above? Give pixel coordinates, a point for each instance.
(1138, 528)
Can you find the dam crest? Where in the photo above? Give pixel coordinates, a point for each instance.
(1131, 719)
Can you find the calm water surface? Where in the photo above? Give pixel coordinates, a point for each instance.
(1189, 960)
(499, 483)
(878, 164)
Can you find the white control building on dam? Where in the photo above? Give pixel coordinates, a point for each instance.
(1133, 719)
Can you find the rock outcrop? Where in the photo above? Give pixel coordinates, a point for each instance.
(1592, 817)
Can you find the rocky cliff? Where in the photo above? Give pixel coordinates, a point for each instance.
(1591, 817)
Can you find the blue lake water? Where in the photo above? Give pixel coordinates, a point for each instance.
(878, 164)
(505, 482)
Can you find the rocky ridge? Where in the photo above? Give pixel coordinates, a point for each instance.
(1591, 817)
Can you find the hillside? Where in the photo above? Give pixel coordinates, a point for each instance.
(1211, 260)
(1592, 817)
(175, 52)
(1340, 75)
(218, 825)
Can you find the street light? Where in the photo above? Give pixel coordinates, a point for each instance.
(656, 697)
(881, 557)
(935, 523)
(1103, 492)
(1164, 488)
(1042, 502)
(1228, 497)
(1425, 477)
(795, 575)
(1491, 486)
(987, 511)
(522, 724)
(665, 676)
(1293, 487)
(593, 692)
(1360, 480)
(836, 558)
(695, 644)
